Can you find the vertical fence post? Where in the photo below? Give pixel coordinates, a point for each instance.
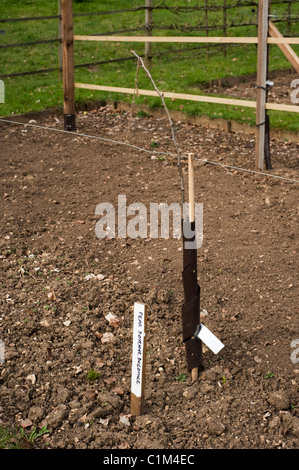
(207, 25)
(224, 18)
(68, 64)
(60, 43)
(148, 32)
(289, 19)
(261, 83)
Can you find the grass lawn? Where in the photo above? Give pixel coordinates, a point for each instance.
(181, 71)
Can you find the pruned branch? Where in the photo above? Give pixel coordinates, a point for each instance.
(140, 62)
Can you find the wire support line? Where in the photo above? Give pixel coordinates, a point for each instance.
(31, 43)
(156, 152)
(247, 170)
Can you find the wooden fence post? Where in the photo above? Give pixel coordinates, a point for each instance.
(68, 64)
(207, 25)
(262, 62)
(224, 18)
(60, 43)
(289, 19)
(148, 32)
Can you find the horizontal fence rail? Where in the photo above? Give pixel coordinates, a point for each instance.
(262, 40)
(185, 39)
(173, 8)
(218, 21)
(188, 97)
(206, 24)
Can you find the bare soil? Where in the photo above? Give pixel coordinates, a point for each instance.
(59, 282)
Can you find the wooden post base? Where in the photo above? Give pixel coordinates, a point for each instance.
(137, 405)
(70, 122)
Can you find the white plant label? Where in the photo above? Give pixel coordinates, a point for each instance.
(139, 325)
(210, 339)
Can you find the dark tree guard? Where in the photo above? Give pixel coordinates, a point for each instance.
(69, 122)
(267, 143)
(191, 306)
(267, 117)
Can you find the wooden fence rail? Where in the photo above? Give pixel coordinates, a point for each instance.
(152, 23)
(187, 39)
(267, 34)
(262, 40)
(190, 97)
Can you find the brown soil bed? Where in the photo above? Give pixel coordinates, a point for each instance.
(59, 282)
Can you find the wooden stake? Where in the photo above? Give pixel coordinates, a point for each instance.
(261, 83)
(191, 186)
(138, 359)
(194, 372)
(68, 64)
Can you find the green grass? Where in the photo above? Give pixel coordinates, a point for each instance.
(19, 439)
(6, 439)
(93, 375)
(185, 72)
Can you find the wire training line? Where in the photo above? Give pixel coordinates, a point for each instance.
(156, 152)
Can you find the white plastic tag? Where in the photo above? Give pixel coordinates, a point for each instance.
(210, 339)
